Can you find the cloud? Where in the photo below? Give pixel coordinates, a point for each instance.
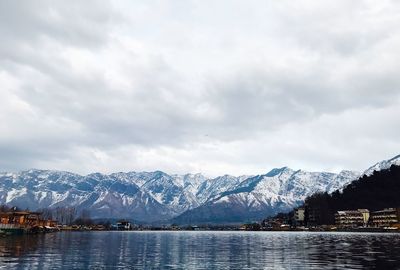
(217, 87)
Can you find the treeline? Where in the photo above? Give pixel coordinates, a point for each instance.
(67, 215)
(63, 215)
(375, 192)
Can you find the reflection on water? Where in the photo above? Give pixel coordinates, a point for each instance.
(200, 250)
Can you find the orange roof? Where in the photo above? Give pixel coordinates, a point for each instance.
(21, 213)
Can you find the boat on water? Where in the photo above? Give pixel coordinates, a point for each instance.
(24, 222)
(11, 229)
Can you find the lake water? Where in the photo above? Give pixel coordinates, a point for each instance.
(201, 250)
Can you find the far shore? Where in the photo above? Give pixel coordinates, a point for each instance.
(356, 230)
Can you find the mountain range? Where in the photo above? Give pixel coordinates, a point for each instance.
(158, 196)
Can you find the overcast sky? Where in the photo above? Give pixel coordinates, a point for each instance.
(218, 87)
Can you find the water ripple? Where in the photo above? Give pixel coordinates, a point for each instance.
(201, 250)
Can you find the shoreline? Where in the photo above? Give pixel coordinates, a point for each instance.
(211, 230)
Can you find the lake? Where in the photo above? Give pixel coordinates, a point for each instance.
(200, 250)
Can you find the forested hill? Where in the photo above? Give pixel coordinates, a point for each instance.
(375, 192)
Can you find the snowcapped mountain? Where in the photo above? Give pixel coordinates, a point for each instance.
(151, 196)
(385, 164)
(145, 196)
(262, 195)
(157, 196)
(115, 195)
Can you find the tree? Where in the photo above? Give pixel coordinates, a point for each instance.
(47, 213)
(4, 208)
(65, 215)
(84, 218)
(374, 192)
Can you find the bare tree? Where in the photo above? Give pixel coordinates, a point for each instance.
(84, 218)
(70, 215)
(47, 213)
(4, 208)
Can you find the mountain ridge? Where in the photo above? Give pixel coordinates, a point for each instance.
(384, 164)
(158, 196)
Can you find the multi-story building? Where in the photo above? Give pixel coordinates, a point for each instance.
(299, 216)
(24, 221)
(313, 216)
(124, 225)
(386, 217)
(20, 218)
(352, 218)
(366, 215)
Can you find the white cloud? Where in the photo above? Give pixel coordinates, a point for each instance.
(184, 86)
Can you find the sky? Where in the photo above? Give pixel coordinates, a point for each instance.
(186, 86)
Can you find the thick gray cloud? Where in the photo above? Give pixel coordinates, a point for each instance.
(211, 86)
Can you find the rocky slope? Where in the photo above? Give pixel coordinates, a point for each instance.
(259, 196)
(383, 165)
(155, 196)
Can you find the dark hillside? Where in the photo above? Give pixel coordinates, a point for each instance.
(375, 192)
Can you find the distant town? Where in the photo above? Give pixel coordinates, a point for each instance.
(369, 204)
(304, 218)
(15, 222)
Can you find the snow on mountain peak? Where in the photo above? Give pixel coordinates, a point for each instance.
(385, 164)
(151, 196)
